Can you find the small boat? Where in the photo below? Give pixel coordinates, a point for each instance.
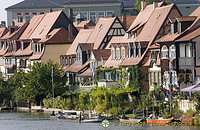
(130, 120)
(159, 120)
(68, 116)
(91, 120)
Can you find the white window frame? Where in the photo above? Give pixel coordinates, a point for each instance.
(112, 53)
(164, 52)
(118, 53)
(123, 52)
(172, 52)
(93, 16)
(84, 15)
(101, 12)
(108, 12)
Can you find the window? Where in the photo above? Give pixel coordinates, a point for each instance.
(139, 50)
(182, 50)
(85, 15)
(64, 61)
(26, 13)
(118, 53)
(35, 48)
(93, 16)
(41, 12)
(129, 51)
(164, 52)
(22, 46)
(74, 16)
(32, 45)
(28, 18)
(20, 19)
(172, 52)
(189, 50)
(113, 52)
(109, 13)
(129, 35)
(34, 13)
(19, 13)
(101, 14)
(123, 52)
(61, 61)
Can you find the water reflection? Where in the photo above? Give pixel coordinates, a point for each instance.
(40, 121)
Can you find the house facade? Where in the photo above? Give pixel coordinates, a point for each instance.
(25, 10)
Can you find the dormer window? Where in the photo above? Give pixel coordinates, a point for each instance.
(118, 53)
(164, 52)
(129, 35)
(172, 52)
(134, 35)
(139, 50)
(129, 51)
(32, 45)
(22, 46)
(123, 52)
(134, 50)
(112, 53)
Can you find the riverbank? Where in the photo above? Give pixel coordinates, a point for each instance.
(44, 110)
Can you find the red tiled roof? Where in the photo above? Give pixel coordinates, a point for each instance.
(88, 72)
(101, 29)
(86, 46)
(75, 68)
(31, 27)
(37, 56)
(112, 63)
(154, 46)
(25, 52)
(3, 31)
(82, 37)
(143, 16)
(3, 51)
(155, 22)
(102, 54)
(148, 62)
(190, 35)
(168, 38)
(59, 35)
(15, 35)
(186, 18)
(45, 25)
(9, 54)
(88, 23)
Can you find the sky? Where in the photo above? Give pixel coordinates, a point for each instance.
(4, 4)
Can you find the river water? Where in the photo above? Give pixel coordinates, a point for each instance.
(40, 121)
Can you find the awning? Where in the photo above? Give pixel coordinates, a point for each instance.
(191, 89)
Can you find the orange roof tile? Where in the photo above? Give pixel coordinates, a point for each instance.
(101, 29)
(3, 31)
(190, 35)
(25, 52)
(75, 68)
(15, 35)
(45, 25)
(82, 37)
(186, 18)
(155, 22)
(31, 27)
(59, 35)
(102, 54)
(3, 51)
(143, 16)
(112, 63)
(37, 56)
(168, 38)
(88, 72)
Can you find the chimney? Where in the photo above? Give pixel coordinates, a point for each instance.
(143, 5)
(13, 23)
(124, 20)
(71, 15)
(155, 5)
(85, 26)
(70, 33)
(51, 10)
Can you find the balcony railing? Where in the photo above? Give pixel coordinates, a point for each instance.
(186, 61)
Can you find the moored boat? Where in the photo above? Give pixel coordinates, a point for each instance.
(92, 120)
(159, 120)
